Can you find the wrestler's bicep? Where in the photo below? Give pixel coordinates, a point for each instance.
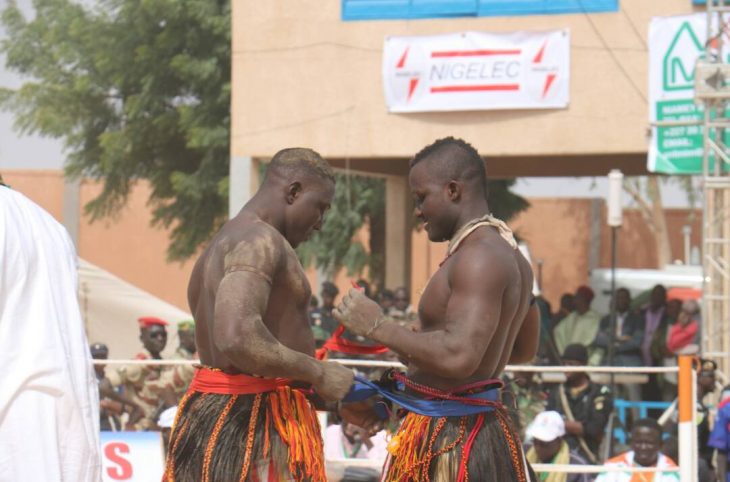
(248, 276)
(475, 305)
(240, 306)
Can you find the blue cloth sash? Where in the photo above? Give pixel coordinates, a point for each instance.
(363, 389)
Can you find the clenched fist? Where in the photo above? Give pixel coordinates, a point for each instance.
(358, 313)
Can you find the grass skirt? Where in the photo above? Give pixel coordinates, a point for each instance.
(480, 448)
(264, 437)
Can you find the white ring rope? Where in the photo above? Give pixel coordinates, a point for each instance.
(389, 364)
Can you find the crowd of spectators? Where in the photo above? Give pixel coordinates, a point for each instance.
(566, 420)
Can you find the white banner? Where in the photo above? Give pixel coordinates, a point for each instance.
(477, 71)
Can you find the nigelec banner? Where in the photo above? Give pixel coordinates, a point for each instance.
(477, 71)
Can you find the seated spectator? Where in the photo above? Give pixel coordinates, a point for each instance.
(585, 405)
(567, 306)
(385, 299)
(320, 319)
(683, 337)
(626, 342)
(720, 436)
(661, 355)
(347, 441)
(655, 325)
(111, 403)
(646, 442)
(549, 447)
(402, 311)
(581, 326)
(628, 337)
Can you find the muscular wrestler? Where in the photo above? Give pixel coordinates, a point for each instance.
(246, 415)
(475, 317)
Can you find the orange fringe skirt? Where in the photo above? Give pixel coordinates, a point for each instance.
(480, 448)
(242, 428)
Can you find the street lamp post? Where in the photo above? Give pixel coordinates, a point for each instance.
(615, 220)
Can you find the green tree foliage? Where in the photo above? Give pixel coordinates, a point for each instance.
(140, 90)
(136, 89)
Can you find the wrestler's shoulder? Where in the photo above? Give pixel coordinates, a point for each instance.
(482, 254)
(255, 244)
(254, 234)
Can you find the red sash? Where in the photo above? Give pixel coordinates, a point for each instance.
(339, 344)
(207, 380)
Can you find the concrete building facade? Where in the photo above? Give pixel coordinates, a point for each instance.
(302, 76)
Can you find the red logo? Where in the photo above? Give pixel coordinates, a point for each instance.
(413, 83)
(550, 75)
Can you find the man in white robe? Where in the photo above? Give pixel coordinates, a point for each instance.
(49, 405)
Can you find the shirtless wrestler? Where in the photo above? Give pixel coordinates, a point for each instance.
(247, 414)
(475, 317)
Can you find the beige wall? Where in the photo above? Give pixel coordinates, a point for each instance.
(130, 248)
(301, 76)
(125, 245)
(45, 188)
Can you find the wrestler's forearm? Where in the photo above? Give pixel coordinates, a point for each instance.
(437, 352)
(251, 347)
(274, 360)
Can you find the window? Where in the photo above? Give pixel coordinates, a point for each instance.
(413, 9)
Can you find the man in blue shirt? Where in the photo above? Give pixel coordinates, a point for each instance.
(720, 436)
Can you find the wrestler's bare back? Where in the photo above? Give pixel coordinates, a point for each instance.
(247, 242)
(486, 247)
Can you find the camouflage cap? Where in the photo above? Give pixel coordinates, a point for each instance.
(186, 325)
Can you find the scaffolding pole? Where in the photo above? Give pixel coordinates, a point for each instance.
(712, 90)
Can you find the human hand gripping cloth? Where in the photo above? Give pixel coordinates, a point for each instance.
(450, 406)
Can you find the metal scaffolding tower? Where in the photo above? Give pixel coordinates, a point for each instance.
(712, 90)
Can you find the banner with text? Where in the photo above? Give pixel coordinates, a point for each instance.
(675, 45)
(477, 71)
(131, 456)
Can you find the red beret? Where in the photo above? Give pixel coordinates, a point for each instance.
(585, 292)
(148, 321)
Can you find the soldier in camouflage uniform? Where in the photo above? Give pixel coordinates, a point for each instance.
(173, 382)
(136, 378)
